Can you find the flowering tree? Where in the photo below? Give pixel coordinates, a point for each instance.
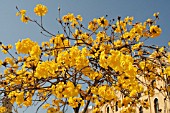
(84, 65)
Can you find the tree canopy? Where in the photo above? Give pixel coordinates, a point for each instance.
(85, 65)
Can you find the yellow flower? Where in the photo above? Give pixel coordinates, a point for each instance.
(28, 101)
(120, 26)
(103, 60)
(137, 46)
(74, 23)
(9, 60)
(106, 92)
(24, 19)
(24, 46)
(126, 101)
(93, 25)
(51, 110)
(118, 43)
(167, 71)
(45, 106)
(156, 14)
(133, 93)
(45, 69)
(79, 18)
(35, 51)
(56, 102)
(75, 101)
(4, 51)
(19, 98)
(21, 12)
(72, 102)
(1, 63)
(102, 22)
(2, 109)
(96, 110)
(69, 17)
(40, 10)
(155, 31)
(10, 46)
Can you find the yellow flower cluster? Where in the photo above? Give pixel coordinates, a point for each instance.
(96, 23)
(24, 46)
(155, 31)
(65, 90)
(46, 69)
(75, 101)
(167, 71)
(93, 25)
(40, 10)
(60, 41)
(27, 46)
(51, 110)
(2, 109)
(17, 97)
(129, 110)
(72, 19)
(74, 58)
(22, 13)
(102, 22)
(106, 92)
(118, 62)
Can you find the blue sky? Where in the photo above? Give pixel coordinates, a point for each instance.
(12, 29)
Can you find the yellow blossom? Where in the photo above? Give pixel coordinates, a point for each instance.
(24, 19)
(156, 14)
(79, 18)
(19, 98)
(24, 46)
(21, 12)
(3, 109)
(155, 31)
(45, 106)
(102, 22)
(51, 110)
(40, 10)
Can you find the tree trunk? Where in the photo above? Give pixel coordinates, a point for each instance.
(6, 103)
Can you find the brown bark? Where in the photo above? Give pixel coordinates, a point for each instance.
(6, 103)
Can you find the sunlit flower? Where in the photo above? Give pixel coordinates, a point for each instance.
(40, 10)
(155, 31)
(102, 22)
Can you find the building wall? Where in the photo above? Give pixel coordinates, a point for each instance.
(163, 106)
(158, 102)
